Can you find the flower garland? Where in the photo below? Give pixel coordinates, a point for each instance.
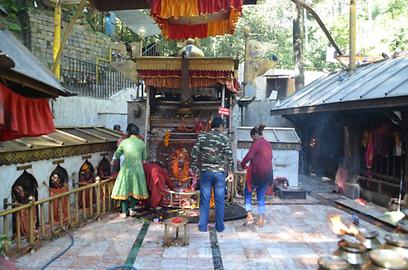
(166, 140)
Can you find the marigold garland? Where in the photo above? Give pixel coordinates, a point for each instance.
(166, 140)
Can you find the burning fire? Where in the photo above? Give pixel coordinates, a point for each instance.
(339, 228)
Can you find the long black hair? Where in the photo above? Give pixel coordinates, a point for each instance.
(132, 129)
(258, 130)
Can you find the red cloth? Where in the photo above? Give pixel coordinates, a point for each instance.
(260, 156)
(158, 182)
(248, 179)
(369, 155)
(55, 204)
(213, 6)
(180, 31)
(22, 116)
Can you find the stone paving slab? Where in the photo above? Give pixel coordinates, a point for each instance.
(293, 238)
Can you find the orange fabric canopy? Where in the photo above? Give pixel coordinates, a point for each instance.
(182, 19)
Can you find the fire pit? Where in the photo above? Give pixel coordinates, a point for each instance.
(351, 249)
(386, 259)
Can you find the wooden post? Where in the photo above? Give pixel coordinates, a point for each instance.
(91, 200)
(147, 120)
(51, 203)
(31, 221)
(98, 196)
(83, 203)
(18, 232)
(5, 231)
(69, 224)
(61, 218)
(42, 221)
(104, 198)
(77, 208)
(404, 141)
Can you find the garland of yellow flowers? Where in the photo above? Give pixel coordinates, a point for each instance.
(183, 175)
(166, 140)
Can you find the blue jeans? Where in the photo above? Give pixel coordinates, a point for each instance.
(208, 180)
(260, 193)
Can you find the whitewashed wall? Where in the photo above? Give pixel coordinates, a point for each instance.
(41, 170)
(285, 164)
(87, 111)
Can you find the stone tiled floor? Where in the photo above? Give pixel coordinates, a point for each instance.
(293, 237)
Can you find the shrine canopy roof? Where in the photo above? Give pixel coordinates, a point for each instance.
(165, 72)
(64, 141)
(24, 73)
(185, 19)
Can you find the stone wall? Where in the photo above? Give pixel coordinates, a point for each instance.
(87, 111)
(83, 43)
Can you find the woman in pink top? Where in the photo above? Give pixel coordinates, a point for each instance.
(261, 173)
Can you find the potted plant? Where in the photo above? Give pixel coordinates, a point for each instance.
(5, 262)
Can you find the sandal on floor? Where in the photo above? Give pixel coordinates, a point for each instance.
(250, 220)
(260, 221)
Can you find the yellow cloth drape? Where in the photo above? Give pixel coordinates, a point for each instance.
(178, 8)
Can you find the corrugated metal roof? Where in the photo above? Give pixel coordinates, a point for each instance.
(378, 82)
(27, 65)
(271, 134)
(3, 11)
(64, 136)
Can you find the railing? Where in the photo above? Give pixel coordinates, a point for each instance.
(46, 228)
(156, 49)
(98, 80)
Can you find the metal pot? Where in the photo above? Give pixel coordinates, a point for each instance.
(333, 263)
(386, 259)
(352, 250)
(397, 242)
(369, 239)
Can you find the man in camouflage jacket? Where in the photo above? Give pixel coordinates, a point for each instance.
(210, 156)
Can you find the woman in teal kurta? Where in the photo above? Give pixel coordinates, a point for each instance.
(131, 181)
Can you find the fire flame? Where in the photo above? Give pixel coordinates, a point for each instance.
(339, 228)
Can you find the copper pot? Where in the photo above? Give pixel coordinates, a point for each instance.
(386, 259)
(333, 263)
(397, 242)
